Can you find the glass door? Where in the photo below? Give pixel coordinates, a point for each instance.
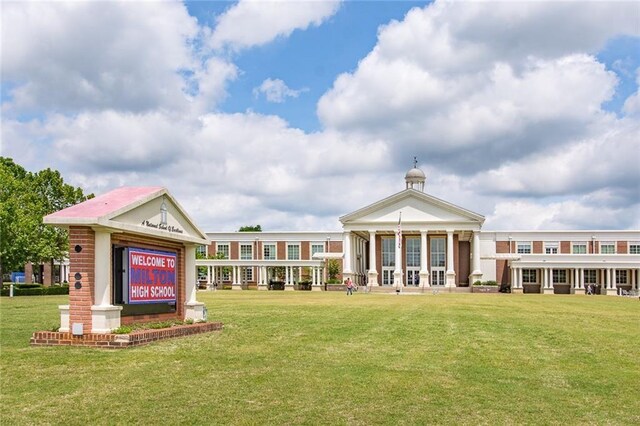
(438, 259)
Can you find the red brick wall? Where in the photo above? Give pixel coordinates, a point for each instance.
(464, 251)
(502, 246)
(502, 271)
(621, 248)
(537, 247)
(281, 250)
(565, 247)
(80, 300)
(305, 250)
(456, 257)
(234, 250)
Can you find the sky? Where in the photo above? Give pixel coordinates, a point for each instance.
(290, 114)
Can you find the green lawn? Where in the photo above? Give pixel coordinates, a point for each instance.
(324, 358)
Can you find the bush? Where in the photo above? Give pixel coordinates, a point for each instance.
(489, 283)
(27, 286)
(333, 281)
(39, 291)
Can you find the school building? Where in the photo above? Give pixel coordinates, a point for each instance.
(412, 240)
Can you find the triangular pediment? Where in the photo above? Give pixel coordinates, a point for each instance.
(140, 210)
(148, 216)
(416, 207)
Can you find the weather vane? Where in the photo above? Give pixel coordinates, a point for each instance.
(415, 162)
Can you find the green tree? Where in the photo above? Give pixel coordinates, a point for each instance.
(250, 228)
(333, 268)
(25, 198)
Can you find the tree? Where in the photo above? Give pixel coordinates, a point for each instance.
(333, 268)
(25, 198)
(250, 228)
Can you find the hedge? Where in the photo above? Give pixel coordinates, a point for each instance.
(42, 291)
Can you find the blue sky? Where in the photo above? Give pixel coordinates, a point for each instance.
(309, 59)
(291, 114)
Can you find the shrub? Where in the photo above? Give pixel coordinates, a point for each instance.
(21, 286)
(478, 282)
(333, 281)
(490, 283)
(39, 291)
(123, 329)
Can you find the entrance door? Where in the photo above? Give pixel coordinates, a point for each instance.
(413, 276)
(437, 276)
(387, 276)
(438, 259)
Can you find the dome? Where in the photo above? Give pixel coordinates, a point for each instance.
(415, 173)
(415, 178)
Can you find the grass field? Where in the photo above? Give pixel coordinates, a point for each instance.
(324, 358)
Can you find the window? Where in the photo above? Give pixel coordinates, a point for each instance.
(560, 276)
(590, 276)
(524, 247)
(551, 248)
(621, 276)
(269, 251)
(438, 253)
(634, 247)
(607, 247)
(293, 251)
(529, 276)
(317, 248)
(201, 251)
(579, 248)
(224, 249)
(247, 274)
(246, 252)
(413, 252)
(388, 252)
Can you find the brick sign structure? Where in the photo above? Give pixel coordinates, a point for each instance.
(132, 259)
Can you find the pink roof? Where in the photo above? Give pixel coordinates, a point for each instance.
(105, 204)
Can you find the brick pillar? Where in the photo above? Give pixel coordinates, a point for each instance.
(28, 273)
(47, 275)
(83, 262)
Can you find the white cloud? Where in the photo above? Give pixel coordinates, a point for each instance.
(275, 90)
(254, 23)
(73, 56)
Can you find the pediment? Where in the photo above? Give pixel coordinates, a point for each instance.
(133, 209)
(148, 216)
(416, 207)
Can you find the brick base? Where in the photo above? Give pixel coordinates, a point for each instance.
(119, 341)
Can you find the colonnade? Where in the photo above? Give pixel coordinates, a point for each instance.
(237, 275)
(354, 258)
(575, 277)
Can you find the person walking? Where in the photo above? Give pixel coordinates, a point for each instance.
(349, 287)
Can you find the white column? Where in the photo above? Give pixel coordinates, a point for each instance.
(519, 283)
(451, 273)
(104, 316)
(372, 275)
(193, 309)
(286, 275)
(476, 255)
(102, 277)
(190, 273)
(424, 269)
(346, 270)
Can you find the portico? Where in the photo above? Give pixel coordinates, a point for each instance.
(412, 239)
